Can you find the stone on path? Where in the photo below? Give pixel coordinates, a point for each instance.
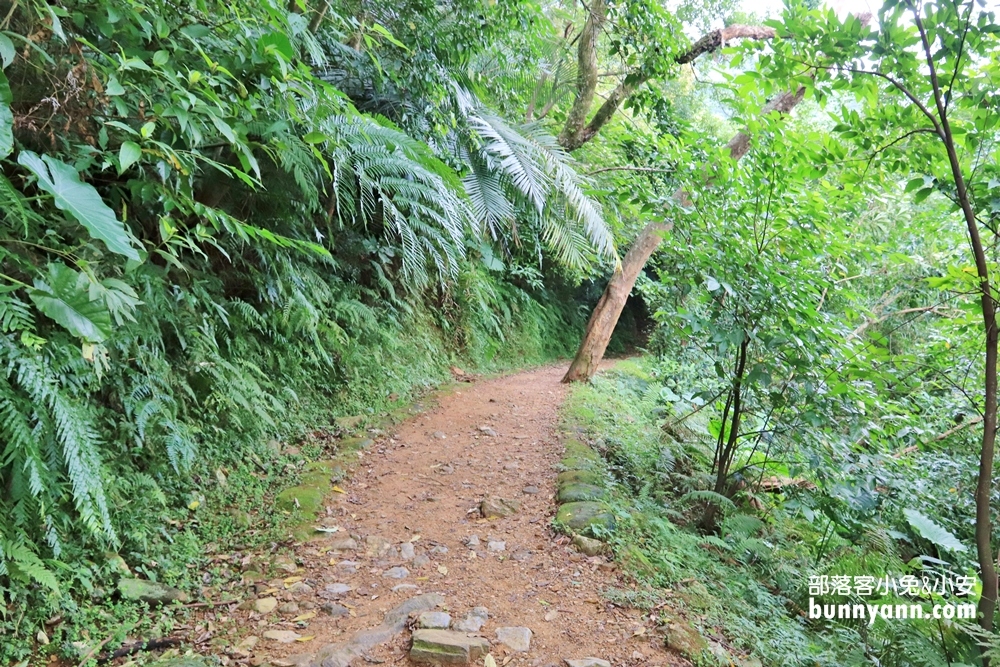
(588, 545)
(334, 591)
(265, 605)
(434, 620)
(473, 621)
(407, 551)
(335, 609)
(282, 636)
(486, 430)
(531, 490)
(588, 662)
(447, 647)
(516, 639)
(377, 546)
(497, 508)
(396, 573)
(496, 546)
(342, 543)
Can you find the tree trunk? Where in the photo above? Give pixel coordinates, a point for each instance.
(609, 307)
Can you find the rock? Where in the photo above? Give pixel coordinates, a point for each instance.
(579, 456)
(447, 647)
(335, 591)
(377, 546)
(438, 550)
(334, 609)
(496, 546)
(282, 636)
(265, 605)
(342, 543)
(585, 517)
(637, 655)
(150, 592)
(579, 477)
(440, 435)
(42, 638)
(496, 508)
(588, 662)
(406, 551)
(686, 640)
(404, 587)
(486, 430)
(473, 621)
(396, 573)
(576, 492)
(551, 615)
(516, 639)
(434, 620)
(285, 564)
(307, 499)
(288, 608)
(188, 660)
(420, 560)
(472, 541)
(588, 545)
(347, 567)
(530, 490)
(247, 644)
(300, 588)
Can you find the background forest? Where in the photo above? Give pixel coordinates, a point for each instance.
(225, 227)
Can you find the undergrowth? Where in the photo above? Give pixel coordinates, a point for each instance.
(739, 594)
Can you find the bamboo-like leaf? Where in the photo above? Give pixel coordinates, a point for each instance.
(80, 200)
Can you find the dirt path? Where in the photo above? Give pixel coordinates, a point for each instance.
(421, 486)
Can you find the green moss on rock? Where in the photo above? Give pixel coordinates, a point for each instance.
(571, 493)
(586, 517)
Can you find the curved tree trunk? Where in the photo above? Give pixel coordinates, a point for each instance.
(609, 307)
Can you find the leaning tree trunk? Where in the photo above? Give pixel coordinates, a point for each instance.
(609, 308)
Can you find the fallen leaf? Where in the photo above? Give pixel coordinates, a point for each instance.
(304, 617)
(270, 590)
(291, 580)
(442, 569)
(639, 631)
(489, 661)
(337, 489)
(306, 638)
(508, 659)
(327, 529)
(415, 537)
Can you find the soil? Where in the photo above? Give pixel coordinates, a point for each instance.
(500, 436)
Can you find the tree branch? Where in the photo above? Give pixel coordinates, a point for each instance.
(575, 133)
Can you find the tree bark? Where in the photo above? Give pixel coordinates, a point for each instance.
(577, 131)
(609, 308)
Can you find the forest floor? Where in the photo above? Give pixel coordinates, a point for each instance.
(408, 524)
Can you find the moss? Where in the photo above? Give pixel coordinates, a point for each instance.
(579, 477)
(588, 518)
(570, 493)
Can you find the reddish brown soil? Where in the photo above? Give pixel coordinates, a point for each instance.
(415, 486)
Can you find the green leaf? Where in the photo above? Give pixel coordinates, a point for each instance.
(128, 154)
(6, 131)
(922, 194)
(80, 200)
(66, 299)
(278, 42)
(932, 531)
(315, 138)
(7, 51)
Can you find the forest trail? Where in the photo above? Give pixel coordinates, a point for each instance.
(422, 485)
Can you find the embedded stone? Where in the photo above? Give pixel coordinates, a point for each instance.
(574, 493)
(588, 662)
(588, 546)
(585, 517)
(516, 639)
(474, 620)
(434, 620)
(446, 647)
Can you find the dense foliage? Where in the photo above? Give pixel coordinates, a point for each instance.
(222, 225)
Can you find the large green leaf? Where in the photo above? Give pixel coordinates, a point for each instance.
(6, 117)
(80, 200)
(66, 299)
(932, 531)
